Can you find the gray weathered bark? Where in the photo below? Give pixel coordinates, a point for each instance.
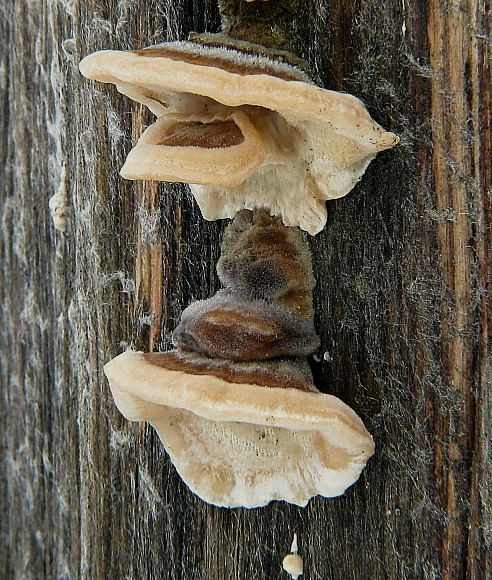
(402, 304)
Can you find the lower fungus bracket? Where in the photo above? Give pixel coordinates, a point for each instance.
(234, 403)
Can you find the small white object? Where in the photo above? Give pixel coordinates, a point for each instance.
(292, 563)
(58, 204)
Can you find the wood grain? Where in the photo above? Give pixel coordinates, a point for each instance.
(402, 301)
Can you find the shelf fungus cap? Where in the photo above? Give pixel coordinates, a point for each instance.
(245, 130)
(240, 434)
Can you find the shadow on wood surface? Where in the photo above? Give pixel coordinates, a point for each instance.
(402, 305)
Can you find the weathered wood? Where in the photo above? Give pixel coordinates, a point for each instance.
(403, 274)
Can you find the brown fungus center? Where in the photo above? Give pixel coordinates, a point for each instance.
(281, 374)
(206, 135)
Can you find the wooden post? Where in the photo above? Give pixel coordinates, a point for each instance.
(402, 301)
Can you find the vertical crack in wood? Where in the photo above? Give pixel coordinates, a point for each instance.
(454, 103)
(480, 524)
(148, 261)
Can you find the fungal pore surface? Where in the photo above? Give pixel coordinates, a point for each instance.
(244, 127)
(234, 403)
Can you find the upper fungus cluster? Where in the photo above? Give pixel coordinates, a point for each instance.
(245, 129)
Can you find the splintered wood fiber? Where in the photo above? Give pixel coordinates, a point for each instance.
(401, 304)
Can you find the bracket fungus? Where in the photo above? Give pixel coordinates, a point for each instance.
(245, 126)
(234, 403)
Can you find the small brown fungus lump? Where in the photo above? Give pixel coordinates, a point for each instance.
(243, 128)
(234, 403)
